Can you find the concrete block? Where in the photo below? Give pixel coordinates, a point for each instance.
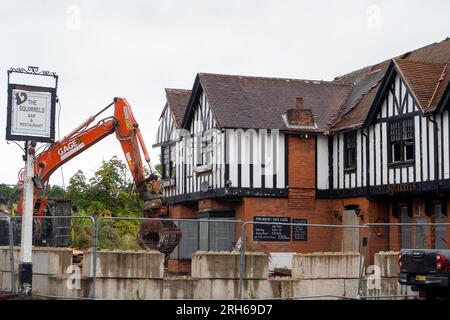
(225, 265)
(319, 288)
(5, 281)
(84, 290)
(387, 262)
(5, 262)
(46, 260)
(228, 289)
(282, 287)
(2, 288)
(327, 265)
(128, 289)
(179, 288)
(386, 288)
(125, 264)
(255, 289)
(51, 261)
(203, 289)
(43, 285)
(351, 288)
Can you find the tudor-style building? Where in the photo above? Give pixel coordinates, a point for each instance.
(398, 144)
(374, 142)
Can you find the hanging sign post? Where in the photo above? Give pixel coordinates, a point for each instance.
(30, 118)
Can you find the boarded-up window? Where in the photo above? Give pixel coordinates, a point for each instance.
(217, 236)
(189, 240)
(406, 231)
(439, 231)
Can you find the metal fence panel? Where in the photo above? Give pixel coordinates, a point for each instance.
(222, 234)
(189, 240)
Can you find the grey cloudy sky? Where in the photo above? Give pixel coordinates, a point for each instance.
(136, 48)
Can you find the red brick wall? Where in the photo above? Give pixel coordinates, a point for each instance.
(181, 211)
(301, 162)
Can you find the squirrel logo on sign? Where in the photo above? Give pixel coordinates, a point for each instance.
(20, 100)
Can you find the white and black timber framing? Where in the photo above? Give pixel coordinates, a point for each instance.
(211, 161)
(376, 173)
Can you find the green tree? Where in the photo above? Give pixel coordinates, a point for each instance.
(110, 192)
(78, 190)
(7, 191)
(56, 192)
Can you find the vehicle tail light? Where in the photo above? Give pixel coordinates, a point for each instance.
(442, 263)
(399, 259)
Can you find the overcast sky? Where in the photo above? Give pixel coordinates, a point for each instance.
(134, 49)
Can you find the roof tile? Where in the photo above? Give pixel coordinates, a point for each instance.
(258, 102)
(178, 100)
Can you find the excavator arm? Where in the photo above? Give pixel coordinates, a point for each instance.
(153, 234)
(126, 128)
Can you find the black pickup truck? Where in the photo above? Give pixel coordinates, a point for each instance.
(426, 270)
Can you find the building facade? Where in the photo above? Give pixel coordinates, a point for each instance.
(369, 146)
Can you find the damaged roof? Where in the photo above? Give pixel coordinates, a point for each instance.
(178, 100)
(341, 104)
(367, 83)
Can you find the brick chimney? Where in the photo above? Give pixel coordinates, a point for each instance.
(299, 115)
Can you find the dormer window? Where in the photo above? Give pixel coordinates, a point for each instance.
(401, 141)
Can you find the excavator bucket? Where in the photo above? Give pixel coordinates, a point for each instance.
(159, 235)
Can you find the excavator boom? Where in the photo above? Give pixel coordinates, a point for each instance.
(126, 129)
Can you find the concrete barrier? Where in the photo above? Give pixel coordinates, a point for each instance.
(46, 260)
(225, 265)
(325, 265)
(387, 287)
(387, 262)
(125, 264)
(5, 263)
(215, 275)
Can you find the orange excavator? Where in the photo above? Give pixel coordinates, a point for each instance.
(154, 234)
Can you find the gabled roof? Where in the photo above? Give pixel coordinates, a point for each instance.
(177, 100)
(424, 79)
(259, 102)
(342, 104)
(367, 84)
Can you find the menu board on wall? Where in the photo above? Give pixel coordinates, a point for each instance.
(271, 232)
(299, 232)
